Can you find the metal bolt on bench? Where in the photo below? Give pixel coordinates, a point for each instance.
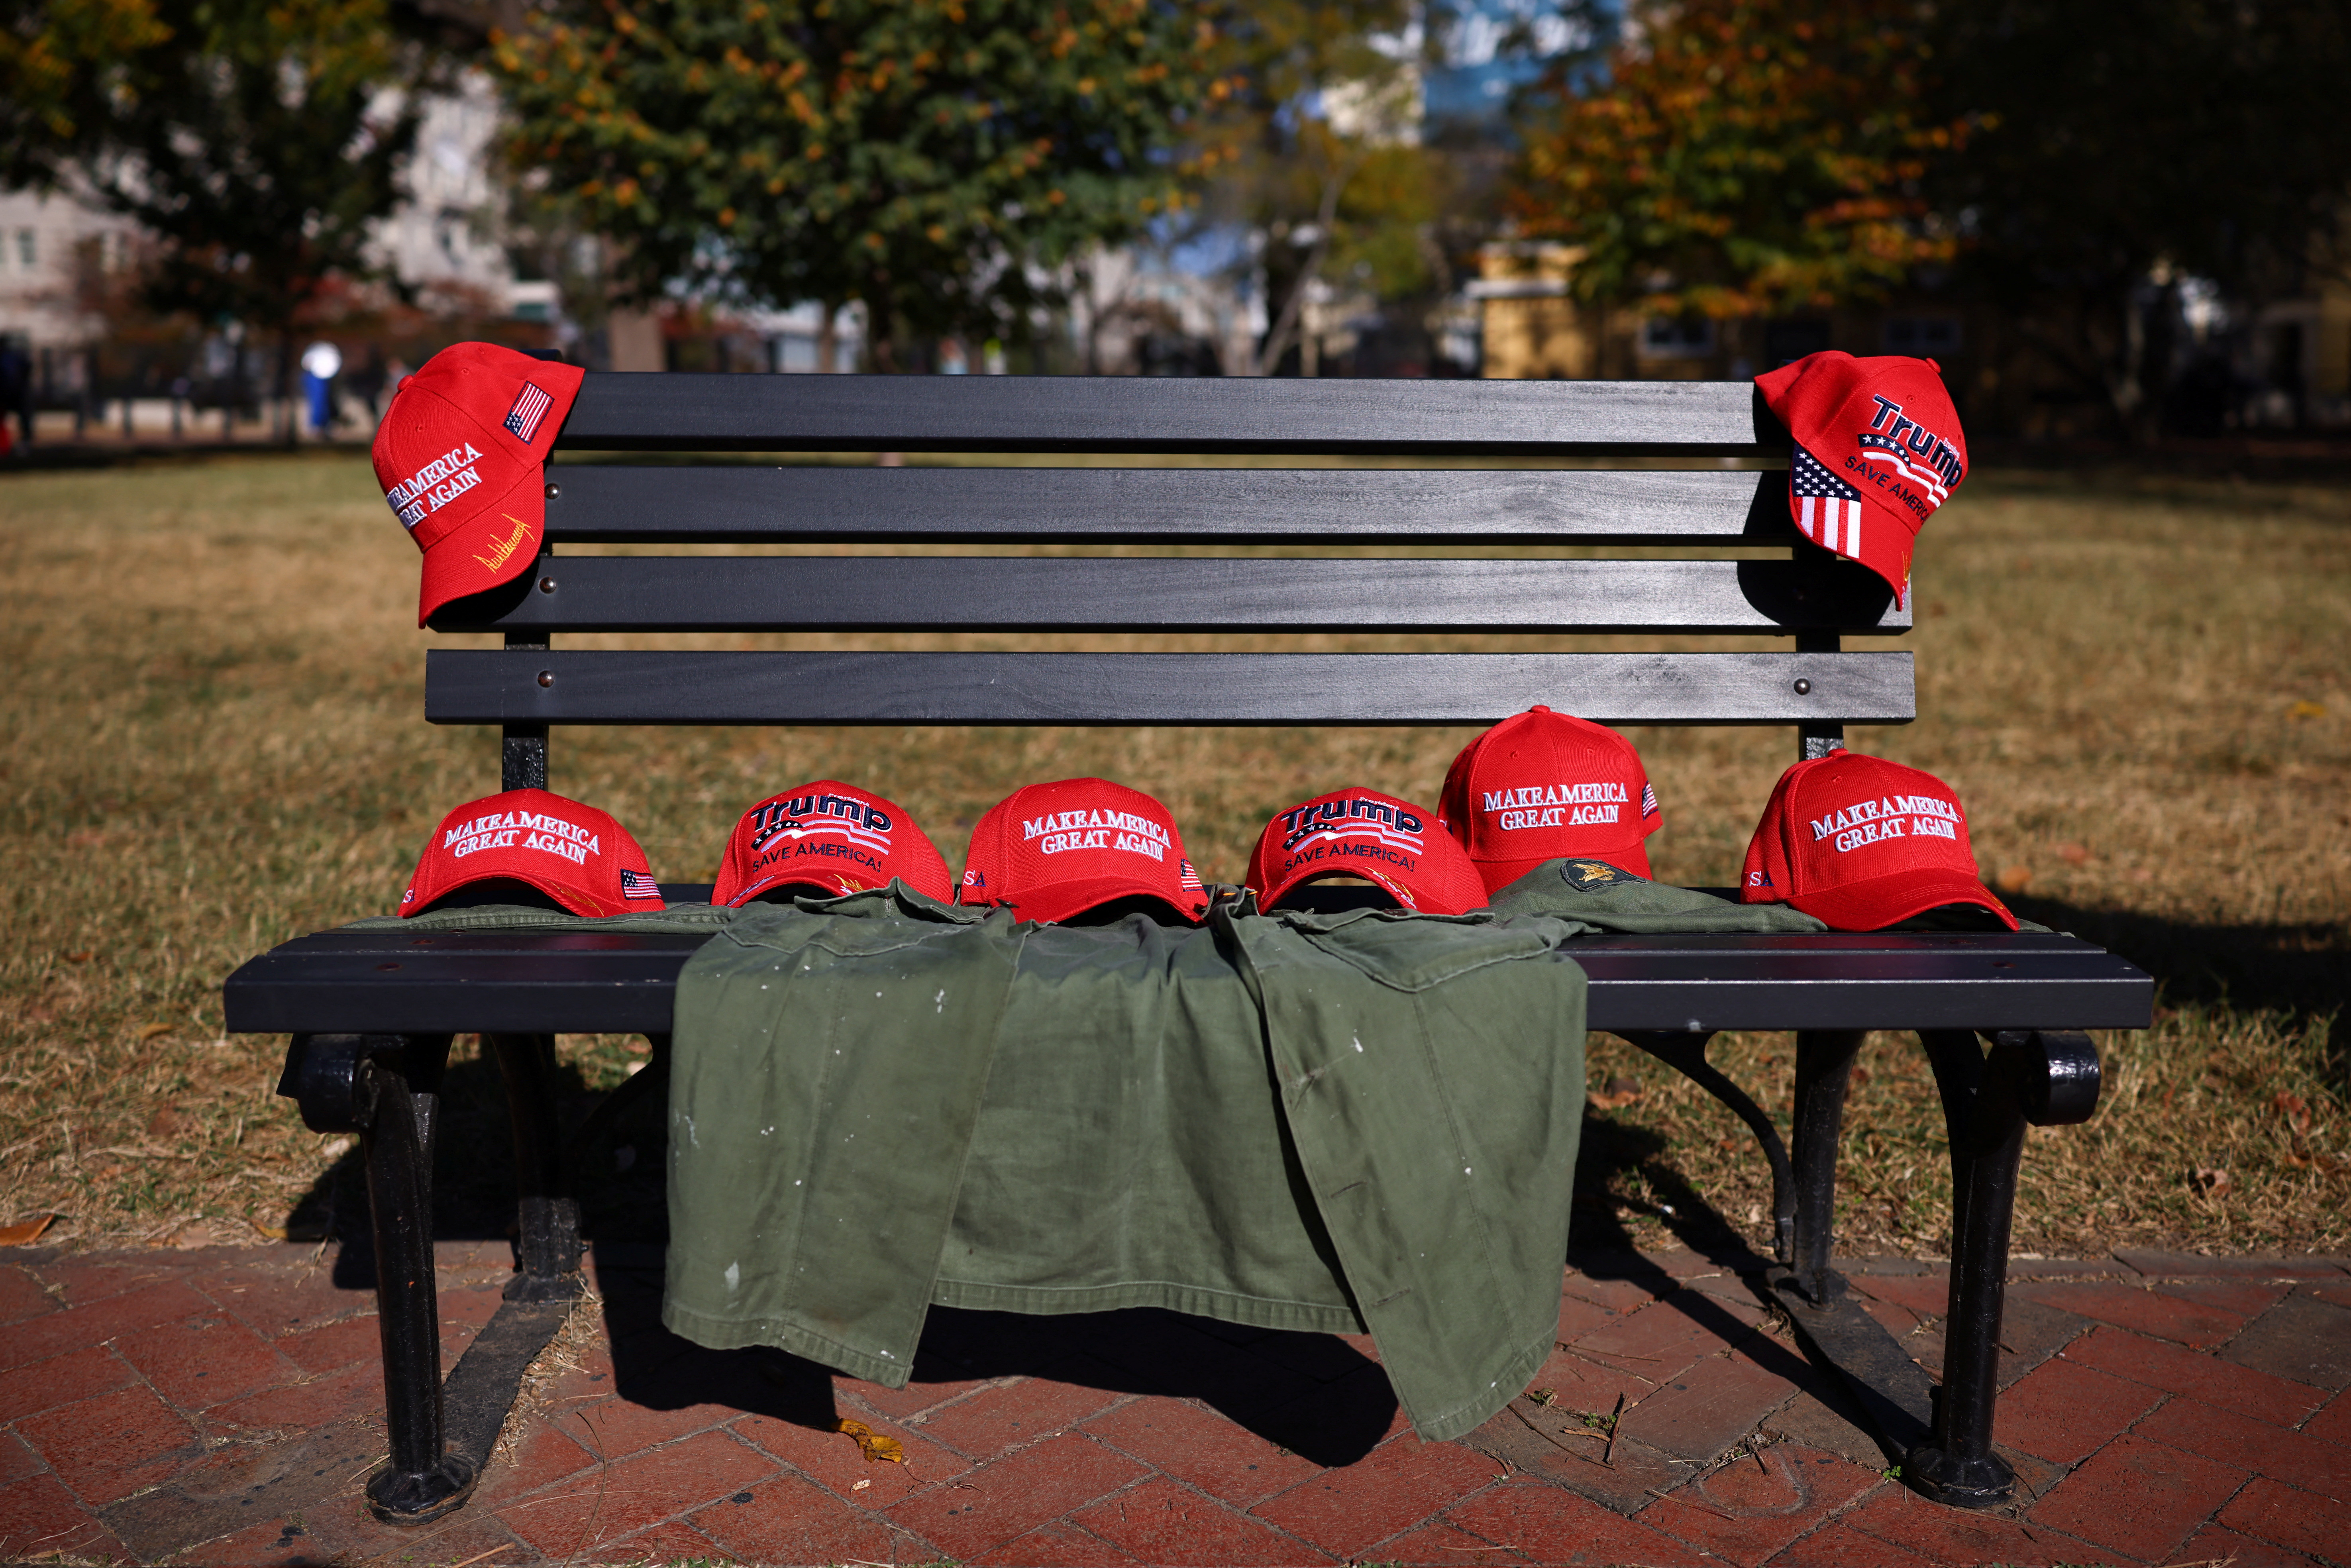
(372, 1013)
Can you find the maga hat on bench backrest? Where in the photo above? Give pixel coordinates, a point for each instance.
(1540, 785)
(1362, 832)
(830, 837)
(459, 455)
(575, 854)
(1048, 852)
(1864, 844)
(1879, 448)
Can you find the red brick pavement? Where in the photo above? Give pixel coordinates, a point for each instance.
(224, 1408)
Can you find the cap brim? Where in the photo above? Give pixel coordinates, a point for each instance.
(779, 884)
(1499, 874)
(1063, 900)
(576, 900)
(1413, 899)
(491, 550)
(1883, 900)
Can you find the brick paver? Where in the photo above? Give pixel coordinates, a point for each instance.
(789, 1518)
(1007, 1416)
(1401, 1482)
(1202, 1449)
(1161, 1521)
(2140, 1497)
(2064, 1411)
(1747, 1512)
(2302, 1338)
(2143, 1309)
(2167, 1366)
(2285, 1516)
(990, 1505)
(2165, 1408)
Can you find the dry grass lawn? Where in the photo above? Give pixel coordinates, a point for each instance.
(2143, 693)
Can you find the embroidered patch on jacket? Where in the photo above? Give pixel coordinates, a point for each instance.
(1584, 875)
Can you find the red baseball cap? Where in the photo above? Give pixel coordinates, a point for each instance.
(1540, 785)
(459, 455)
(575, 854)
(1879, 448)
(832, 837)
(1362, 832)
(1862, 843)
(1052, 850)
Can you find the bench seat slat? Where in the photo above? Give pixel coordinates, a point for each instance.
(500, 687)
(677, 411)
(338, 982)
(618, 503)
(880, 593)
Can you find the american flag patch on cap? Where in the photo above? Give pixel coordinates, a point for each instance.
(530, 406)
(633, 885)
(1189, 879)
(1828, 510)
(1649, 799)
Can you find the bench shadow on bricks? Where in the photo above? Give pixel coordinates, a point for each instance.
(1332, 1408)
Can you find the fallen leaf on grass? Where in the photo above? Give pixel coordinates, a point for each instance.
(2211, 1181)
(2072, 854)
(2294, 1109)
(80, 957)
(27, 1233)
(2013, 879)
(2306, 710)
(1616, 1092)
(148, 1031)
(877, 1449)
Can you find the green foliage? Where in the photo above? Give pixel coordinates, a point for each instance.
(1314, 143)
(249, 137)
(1743, 157)
(932, 159)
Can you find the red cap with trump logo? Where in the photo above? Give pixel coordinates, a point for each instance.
(830, 839)
(1048, 852)
(1864, 844)
(575, 854)
(1362, 832)
(1540, 785)
(1879, 448)
(459, 455)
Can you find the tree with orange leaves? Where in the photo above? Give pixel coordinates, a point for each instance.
(1742, 158)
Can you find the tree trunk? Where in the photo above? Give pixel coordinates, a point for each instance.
(828, 340)
(292, 418)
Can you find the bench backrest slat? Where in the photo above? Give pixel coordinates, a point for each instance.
(670, 412)
(940, 594)
(600, 503)
(1639, 467)
(499, 686)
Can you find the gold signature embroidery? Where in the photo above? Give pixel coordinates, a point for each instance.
(502, 550)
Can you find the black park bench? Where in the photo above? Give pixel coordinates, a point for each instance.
(1615, 464)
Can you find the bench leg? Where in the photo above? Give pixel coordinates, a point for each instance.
(1823, 1071)
(386, 1088)
(547, 1216)
(2031, 1077)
